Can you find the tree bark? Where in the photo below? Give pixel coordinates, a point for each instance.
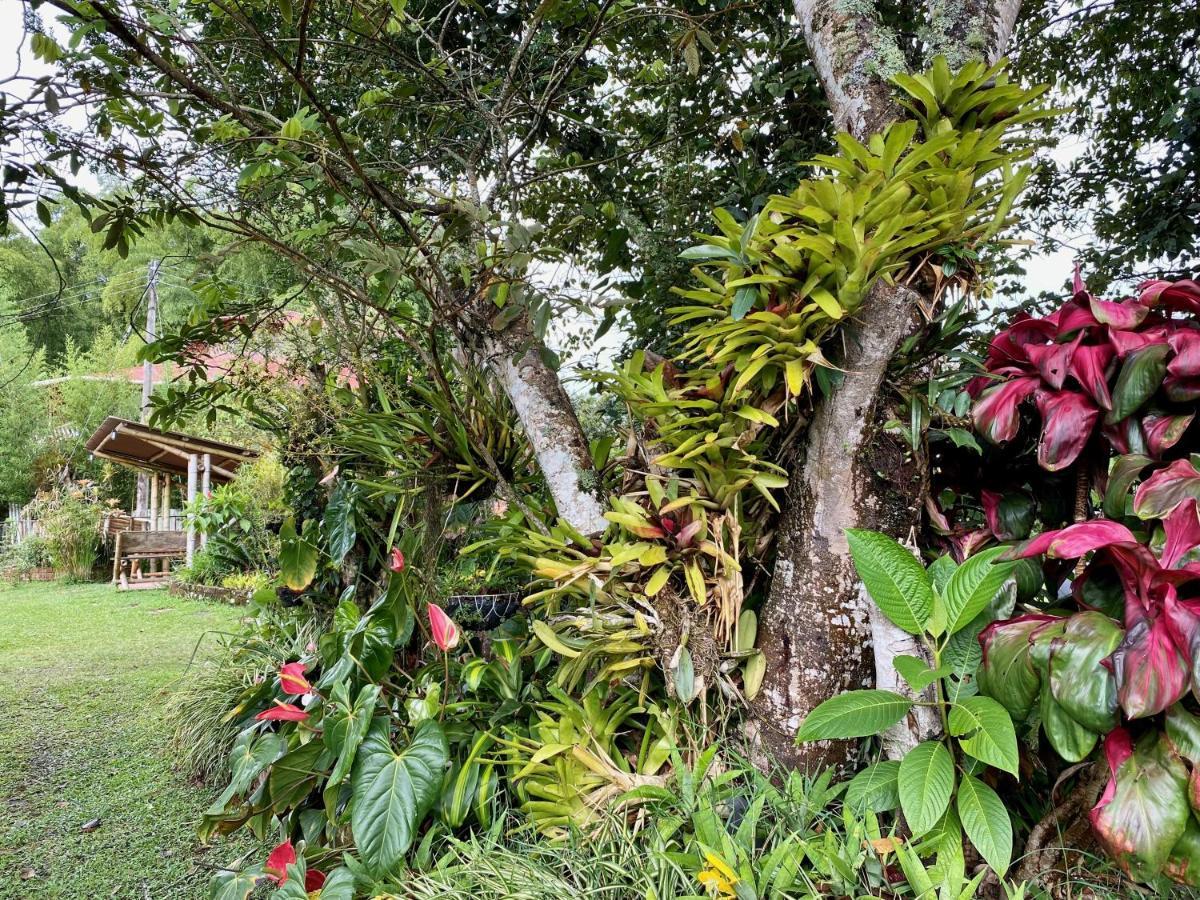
(816, 624)
(819, 630)
(549, 421)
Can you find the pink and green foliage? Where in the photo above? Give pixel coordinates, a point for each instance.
(1128, 370)
(1113, 651)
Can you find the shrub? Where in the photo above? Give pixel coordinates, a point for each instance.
(31, 553)
(69, 518)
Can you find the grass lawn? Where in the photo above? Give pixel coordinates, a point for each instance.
(83, 673)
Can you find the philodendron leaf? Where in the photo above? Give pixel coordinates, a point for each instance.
(232, 885)
(917, 673)
(341, 519)
(393, 791)
(875, 788)
(893, 577)
(985, 731)
(972, 587)
(986, 822)
(1146, 812)
(1085, 689)
(925, 781)
(252, 753)
(854, 714)
(297, 557)
(345, 728)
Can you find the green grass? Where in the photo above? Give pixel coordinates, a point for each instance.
(83, 676)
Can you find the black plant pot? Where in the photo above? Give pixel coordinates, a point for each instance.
(483, 612)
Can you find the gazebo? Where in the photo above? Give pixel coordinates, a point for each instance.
(150, 540)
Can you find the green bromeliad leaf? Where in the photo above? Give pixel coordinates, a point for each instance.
(393, 791)
(894, 578)
(925, 782)
(854, 714)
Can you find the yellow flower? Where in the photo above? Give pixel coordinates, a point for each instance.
(718, 878)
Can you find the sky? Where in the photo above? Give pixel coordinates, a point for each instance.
(1048, 270)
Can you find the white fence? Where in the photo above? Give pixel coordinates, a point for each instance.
(17, 526)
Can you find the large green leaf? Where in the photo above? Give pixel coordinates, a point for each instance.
(985, 731)
(1141, 375)
(875, 788)
(393, 791)
(1183, 865)
(346, 725)
(294, 775)
(986, 822)
(854, 714)
(232, 885)
(972, 587)
(1008, 673)
(340, 520)
(893, 577)
(252, 753)
(926, 781)
(1084, 688)
(297, 557)
(1148, 811)
(1070, 740)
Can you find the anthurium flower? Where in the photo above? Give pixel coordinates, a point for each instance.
(445, 633)
(278, 861)
(313, 880)
(292, 680)
(396, 563)
(282, 712)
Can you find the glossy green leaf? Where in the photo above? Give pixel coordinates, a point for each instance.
(1070, 740)
(345, 728)
(973, 586)
(925, 782)
(985, 731)
(854, 714)
(393, 791)
(894, 578)
(341, 520)
(986, 822)
(876, 788)
(297, 557)
(1085, 689)
(916, 672)
(1141, 376)
(294, 775)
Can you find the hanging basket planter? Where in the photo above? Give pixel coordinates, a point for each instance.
(483, 612)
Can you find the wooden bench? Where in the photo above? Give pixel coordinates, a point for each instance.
(144, 558)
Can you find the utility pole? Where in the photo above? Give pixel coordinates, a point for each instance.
(143, 483)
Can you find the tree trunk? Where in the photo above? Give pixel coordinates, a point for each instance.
(818, 628)
(549, 421)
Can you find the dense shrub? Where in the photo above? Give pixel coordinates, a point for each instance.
(69, 517)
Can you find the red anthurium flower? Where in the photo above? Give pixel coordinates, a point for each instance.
(313, 880)
(292, 680)
(396, 563)
(445, 633)
(277, 863)
(282, 712)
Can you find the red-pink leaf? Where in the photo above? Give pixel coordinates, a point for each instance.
(1009, 346)
(1125, 342)
(991, 512)
(1075, 540)
(1181, 390)
(1186, 344)
(1164, 432)
(1068, 419)
(965, 545)
(937, 519)
(1151, 673)
(1077, 285)
(1053, 361)
(1181, 296)
(996, 413)
(1182, 528)
(1128, 314)
(1089, 367)
(1070, 317)
(1159, 494)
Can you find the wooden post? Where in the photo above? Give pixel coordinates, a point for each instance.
(193, 465)
(206, 487)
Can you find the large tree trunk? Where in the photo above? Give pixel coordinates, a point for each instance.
(549, 421)
(820, 632)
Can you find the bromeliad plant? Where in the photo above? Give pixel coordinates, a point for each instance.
(941, 784)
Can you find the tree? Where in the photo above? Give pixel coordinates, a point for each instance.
(405, 207)
(1130, 72)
